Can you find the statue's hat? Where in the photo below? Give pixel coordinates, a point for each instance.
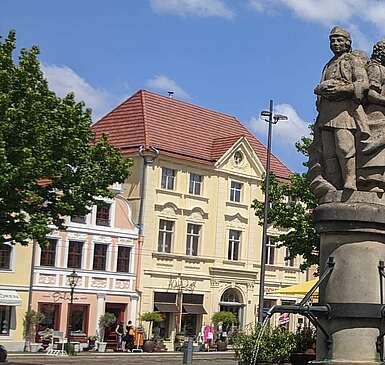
(338, 31)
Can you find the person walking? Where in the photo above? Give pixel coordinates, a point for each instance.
(119, 330)
(130, 336)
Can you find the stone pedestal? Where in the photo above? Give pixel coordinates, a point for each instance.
(352, 228)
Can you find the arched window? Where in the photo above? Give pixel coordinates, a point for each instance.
(5, 256)
(231, 296)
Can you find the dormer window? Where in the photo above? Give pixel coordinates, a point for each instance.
(103, 214)
(238, 158)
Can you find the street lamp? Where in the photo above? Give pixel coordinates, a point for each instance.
(272, 119)
(73, 280)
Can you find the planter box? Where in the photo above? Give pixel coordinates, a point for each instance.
(102, 346)
(35, 347)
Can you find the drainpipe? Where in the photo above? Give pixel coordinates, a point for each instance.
(149, 156)
(29, 306)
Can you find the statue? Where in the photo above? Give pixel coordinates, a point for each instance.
(341, 118)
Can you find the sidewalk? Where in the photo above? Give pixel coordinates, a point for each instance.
(159, 358)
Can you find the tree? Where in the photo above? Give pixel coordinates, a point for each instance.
(31, 321)
(225, 318)
(293, 216)
(50, 166)
(151, 317)
(105, 321)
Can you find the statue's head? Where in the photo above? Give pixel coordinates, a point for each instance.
(379, 51)
(340, 41)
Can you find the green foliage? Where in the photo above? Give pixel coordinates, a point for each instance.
(44, 137)
(305, 338)
(31, 321)
(107, 320)
(151, 317)
(294, 217)
(224, 317)
(276, 345)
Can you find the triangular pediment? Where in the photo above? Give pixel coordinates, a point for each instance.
(241, 159)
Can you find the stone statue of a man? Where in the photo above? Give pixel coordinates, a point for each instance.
(344, 81)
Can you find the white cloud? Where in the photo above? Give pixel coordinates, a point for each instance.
(287, 131)
(202, 8)
(63, 80)
(163, 83)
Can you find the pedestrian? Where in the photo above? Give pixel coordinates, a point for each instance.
(119, 330)
(130, 336)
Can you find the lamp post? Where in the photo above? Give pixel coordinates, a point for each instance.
(73, 280)
(272, 119)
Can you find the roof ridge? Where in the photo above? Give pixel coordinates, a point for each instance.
(118, 106)
(144, 119)
(190, 104)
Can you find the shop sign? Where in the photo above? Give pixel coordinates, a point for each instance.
(181, 284)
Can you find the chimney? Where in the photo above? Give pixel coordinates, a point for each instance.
(170, 94)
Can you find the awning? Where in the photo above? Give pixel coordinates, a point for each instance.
(9, 297)
(194, 309)
(298, 289)
(166, 307)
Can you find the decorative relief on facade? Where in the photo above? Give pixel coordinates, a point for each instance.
(168, 209)
(250, 285)
(123, 284)
(47, 279)
(236, 219)
(98, 283)
(196, 213)
(104, 239)
(214, 283)
(125, 241)
(77, 236)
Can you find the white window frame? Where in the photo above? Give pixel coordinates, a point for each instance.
(169, 180)
(164, 231)
(191, 236)
(11, 258)
(236, 192)
(270, 252)
(194, 184)
(231, 245)
(67, 251)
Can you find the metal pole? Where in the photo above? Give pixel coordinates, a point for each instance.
(69, 313)
(29, 306)
(265, 222)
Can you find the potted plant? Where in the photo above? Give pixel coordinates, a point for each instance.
(225, 320)
(91, 342)
(105, 321)
(305, 339)
(150, 317)
(275, 346)
(31, 321)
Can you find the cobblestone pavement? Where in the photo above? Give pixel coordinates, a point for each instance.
(128, 359)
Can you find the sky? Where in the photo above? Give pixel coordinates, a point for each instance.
(231, 56)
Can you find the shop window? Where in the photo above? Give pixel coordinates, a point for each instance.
(103, 214)
(79, 319)
(100, 257)
(235, 191)
(270, 251)
(195, 184)
(164, 297)
(234, 245)
(5, 256)
(5, 319)
(75, 251)
(123, 264)
(51, 314)
(192, 241)
(168, 178)
(166, 230)
(193, 298)
(48, 253)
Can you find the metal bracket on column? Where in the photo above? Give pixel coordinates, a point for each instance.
(380, 338)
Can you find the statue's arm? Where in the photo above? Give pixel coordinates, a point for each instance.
(374, 94)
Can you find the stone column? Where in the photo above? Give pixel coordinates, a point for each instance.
(352, 231)
(100, 308)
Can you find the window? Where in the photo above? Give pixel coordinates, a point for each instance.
(79, 319)
(78, 219)
(48, 253)
(103, 214)
(75, 249)
(123, 259)
(288, 262)
(5, 319)
(5, 256)
(193, 232)
(270, 251)
(168, 178)
(51, 316)
(100, 256)
(166, 229)
(235, 191)
(195, 184)
(234, 243)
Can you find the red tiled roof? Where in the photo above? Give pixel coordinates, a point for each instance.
(178, 129)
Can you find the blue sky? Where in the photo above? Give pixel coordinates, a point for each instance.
(227, 55)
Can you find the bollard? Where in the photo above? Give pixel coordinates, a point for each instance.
(188, 351)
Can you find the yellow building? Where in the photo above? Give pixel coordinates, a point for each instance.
(195, 176)
(15, 271)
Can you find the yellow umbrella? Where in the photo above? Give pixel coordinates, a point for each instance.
(298, 289)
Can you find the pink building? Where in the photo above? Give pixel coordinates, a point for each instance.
(100, 247)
